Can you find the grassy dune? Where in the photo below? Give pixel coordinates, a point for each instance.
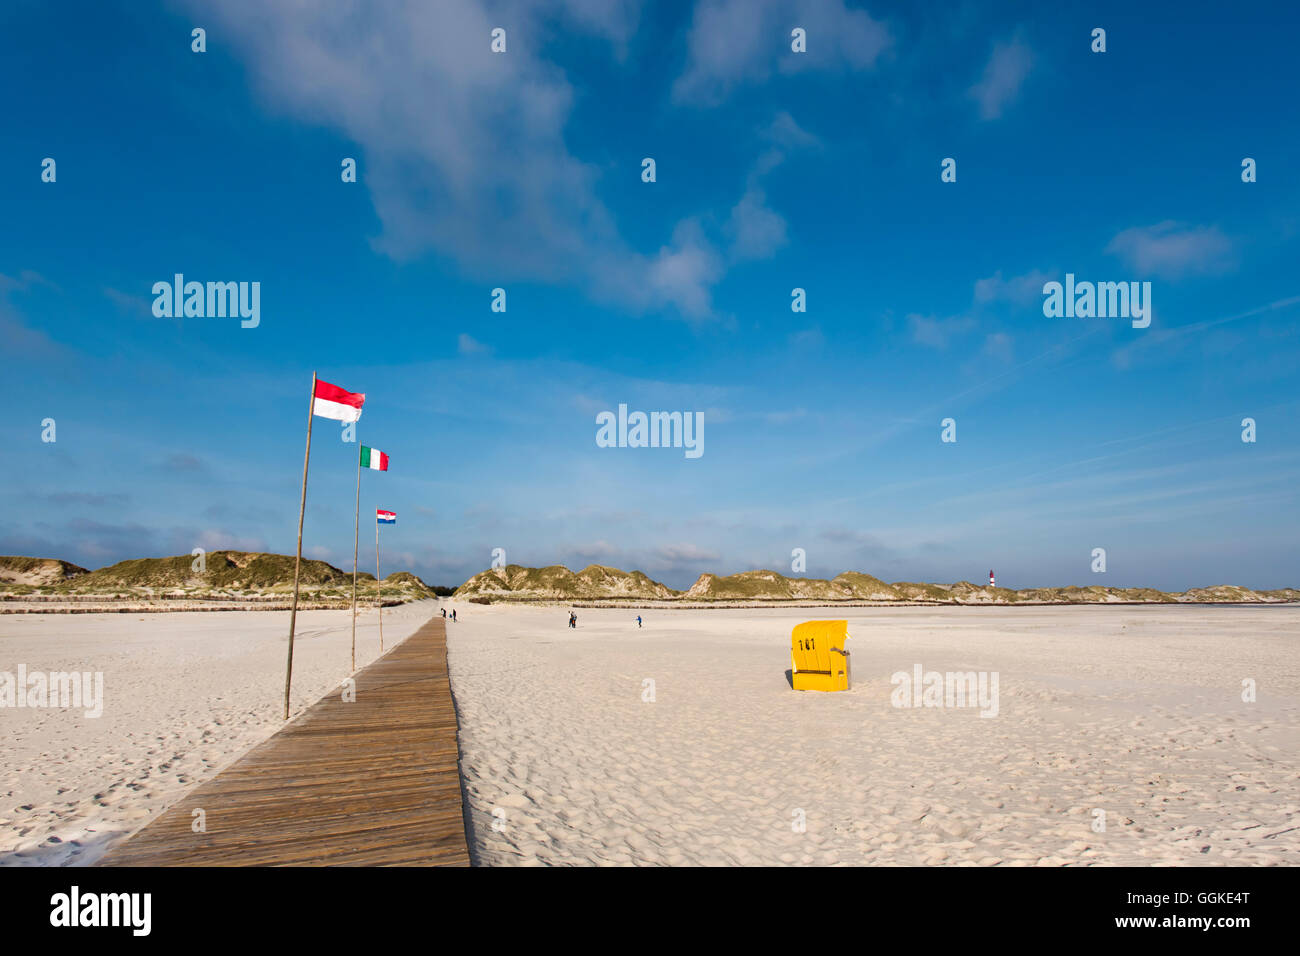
(598, 583)
(226, 576)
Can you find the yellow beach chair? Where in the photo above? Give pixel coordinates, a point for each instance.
(818, 658)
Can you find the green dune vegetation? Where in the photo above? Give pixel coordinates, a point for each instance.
(596, 583)
(257, 577)
(226, 575)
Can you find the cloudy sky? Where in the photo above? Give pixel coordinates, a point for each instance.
(775, 171)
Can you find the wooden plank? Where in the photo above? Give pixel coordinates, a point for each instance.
(374, 782)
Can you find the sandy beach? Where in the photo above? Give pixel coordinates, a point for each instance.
(682, 743)
(1134, 711)
(185, 694)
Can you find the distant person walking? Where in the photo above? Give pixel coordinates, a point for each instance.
(453, 614)
(638, 620)
(444, 613)
(573, 620)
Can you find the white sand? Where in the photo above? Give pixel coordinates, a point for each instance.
(185, 695)
(1134, 711)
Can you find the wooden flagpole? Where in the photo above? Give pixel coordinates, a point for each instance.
(297, 562)
(356, 538)
(380, 582)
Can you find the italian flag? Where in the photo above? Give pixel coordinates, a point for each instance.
(330, 401)
(374, 459)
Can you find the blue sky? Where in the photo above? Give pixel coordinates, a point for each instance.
(775, 170)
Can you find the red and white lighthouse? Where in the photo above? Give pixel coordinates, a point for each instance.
(991, 577)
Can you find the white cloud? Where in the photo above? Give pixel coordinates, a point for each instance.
(937, 333)
(785, 132)
(743, 41)
(685, 270)
(615, 20)
(27, 279)
(19, 337)
(463, 150)
(755, 230)
(589, 551)
(466, 344)
(213, 540)
(809, 338)
(685, 553)
(1171, 250)
(999, 346)
(136, 305)
(1021, 290)
(1003, 76)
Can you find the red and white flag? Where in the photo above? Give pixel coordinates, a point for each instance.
(330, 401)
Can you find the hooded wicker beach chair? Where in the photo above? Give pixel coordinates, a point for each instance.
(819, 659)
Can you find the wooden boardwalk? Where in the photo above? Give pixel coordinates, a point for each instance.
(368, 783)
